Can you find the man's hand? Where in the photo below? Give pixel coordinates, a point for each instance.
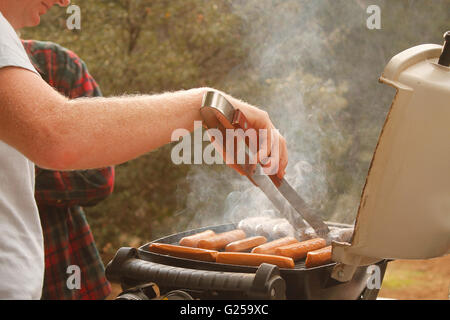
(272, 153)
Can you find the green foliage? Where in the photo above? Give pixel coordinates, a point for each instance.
(149, 46)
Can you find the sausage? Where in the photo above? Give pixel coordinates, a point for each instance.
(298, 251)
(245, 244)
(253, 259)
(318, 257)
(265, 228)
(269, 247)
(183, 252)
(249, 224)
(192, 240)
(345, 234)
(309, 233)
(340, 235)
(219, 241)
(283, 229)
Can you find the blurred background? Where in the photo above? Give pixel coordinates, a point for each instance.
(313, 65)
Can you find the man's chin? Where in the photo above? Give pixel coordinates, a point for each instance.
(34, 21)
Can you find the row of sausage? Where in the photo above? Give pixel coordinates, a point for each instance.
(235, 247)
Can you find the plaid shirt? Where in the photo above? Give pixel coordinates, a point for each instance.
(68, 240)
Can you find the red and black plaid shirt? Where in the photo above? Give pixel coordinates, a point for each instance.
(68, 239)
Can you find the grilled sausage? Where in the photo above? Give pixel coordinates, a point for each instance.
(269, 247)
(318, 257)
(249, 224)
(309, 233)
(183, 252)
(219, 241)
(245, 244)
(265, 228)
(298, 250)
(283, 229)
(192, 240)
(340, 235)
(253, 259)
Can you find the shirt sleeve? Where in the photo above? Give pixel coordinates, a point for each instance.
(12, 53)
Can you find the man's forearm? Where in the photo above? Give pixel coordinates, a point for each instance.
(114, 130)
(61, 134)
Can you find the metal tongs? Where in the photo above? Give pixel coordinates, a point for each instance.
(218, 113)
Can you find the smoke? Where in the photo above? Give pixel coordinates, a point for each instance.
(314, 66)
(220, 195)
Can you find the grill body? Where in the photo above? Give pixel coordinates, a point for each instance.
(211, 280)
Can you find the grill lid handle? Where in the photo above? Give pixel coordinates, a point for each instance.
(444, 60)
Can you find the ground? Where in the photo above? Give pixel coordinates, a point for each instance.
(417, 279)
(408, 279)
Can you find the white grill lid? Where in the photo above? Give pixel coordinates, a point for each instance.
(404, 211)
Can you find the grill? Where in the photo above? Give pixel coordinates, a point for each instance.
(210, 280)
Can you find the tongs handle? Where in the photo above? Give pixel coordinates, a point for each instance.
(240, 122)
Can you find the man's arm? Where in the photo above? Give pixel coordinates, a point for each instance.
(64, 71)
(96, 132)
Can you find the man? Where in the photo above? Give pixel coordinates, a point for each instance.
(68, 240)
(39, 125)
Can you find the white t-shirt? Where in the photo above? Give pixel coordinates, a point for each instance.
(21, 240)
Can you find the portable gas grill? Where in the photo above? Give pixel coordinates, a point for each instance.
(211, 280)
(404, 211)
